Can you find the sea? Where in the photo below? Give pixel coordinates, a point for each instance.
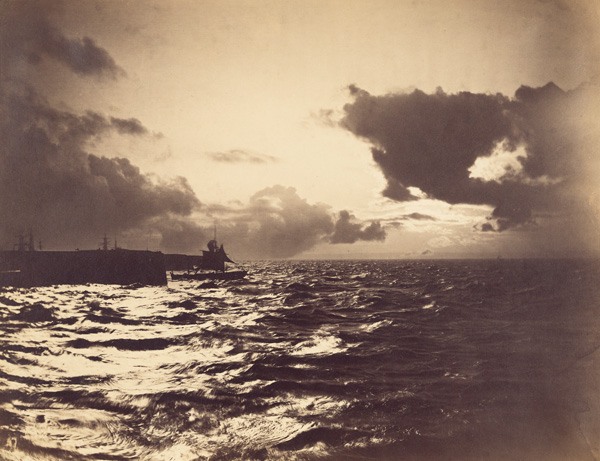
(309, 360)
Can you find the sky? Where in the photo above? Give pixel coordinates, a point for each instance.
(301, 128)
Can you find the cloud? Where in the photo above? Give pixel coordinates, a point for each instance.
(440, 242)
(82, 56)
(419, 217)
(275, 223)
(29, 37)
(487, 227)
(130, 126)
(283, 224)
(182, 235)
(49, 182)
(544, 136)
(429, 141)
(347, 231)
(239, 156)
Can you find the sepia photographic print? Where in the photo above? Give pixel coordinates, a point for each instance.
(300, 230)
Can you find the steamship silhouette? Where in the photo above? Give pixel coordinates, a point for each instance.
(212, 265)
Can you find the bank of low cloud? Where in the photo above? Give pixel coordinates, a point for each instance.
(276, 222)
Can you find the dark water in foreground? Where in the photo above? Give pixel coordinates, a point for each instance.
(423, 360)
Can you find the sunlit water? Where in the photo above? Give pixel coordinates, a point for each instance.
(423, 360)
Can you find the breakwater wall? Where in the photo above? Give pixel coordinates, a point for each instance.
(42, 268)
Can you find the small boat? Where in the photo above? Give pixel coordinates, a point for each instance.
(213, 266)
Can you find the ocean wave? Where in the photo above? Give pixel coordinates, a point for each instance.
(307, 360)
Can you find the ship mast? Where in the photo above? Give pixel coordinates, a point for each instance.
(21, 245)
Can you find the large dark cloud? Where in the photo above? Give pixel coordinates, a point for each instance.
(49, 182)
(428, 141)
(431, 141)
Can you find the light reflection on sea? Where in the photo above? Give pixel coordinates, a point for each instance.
(436, 360)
